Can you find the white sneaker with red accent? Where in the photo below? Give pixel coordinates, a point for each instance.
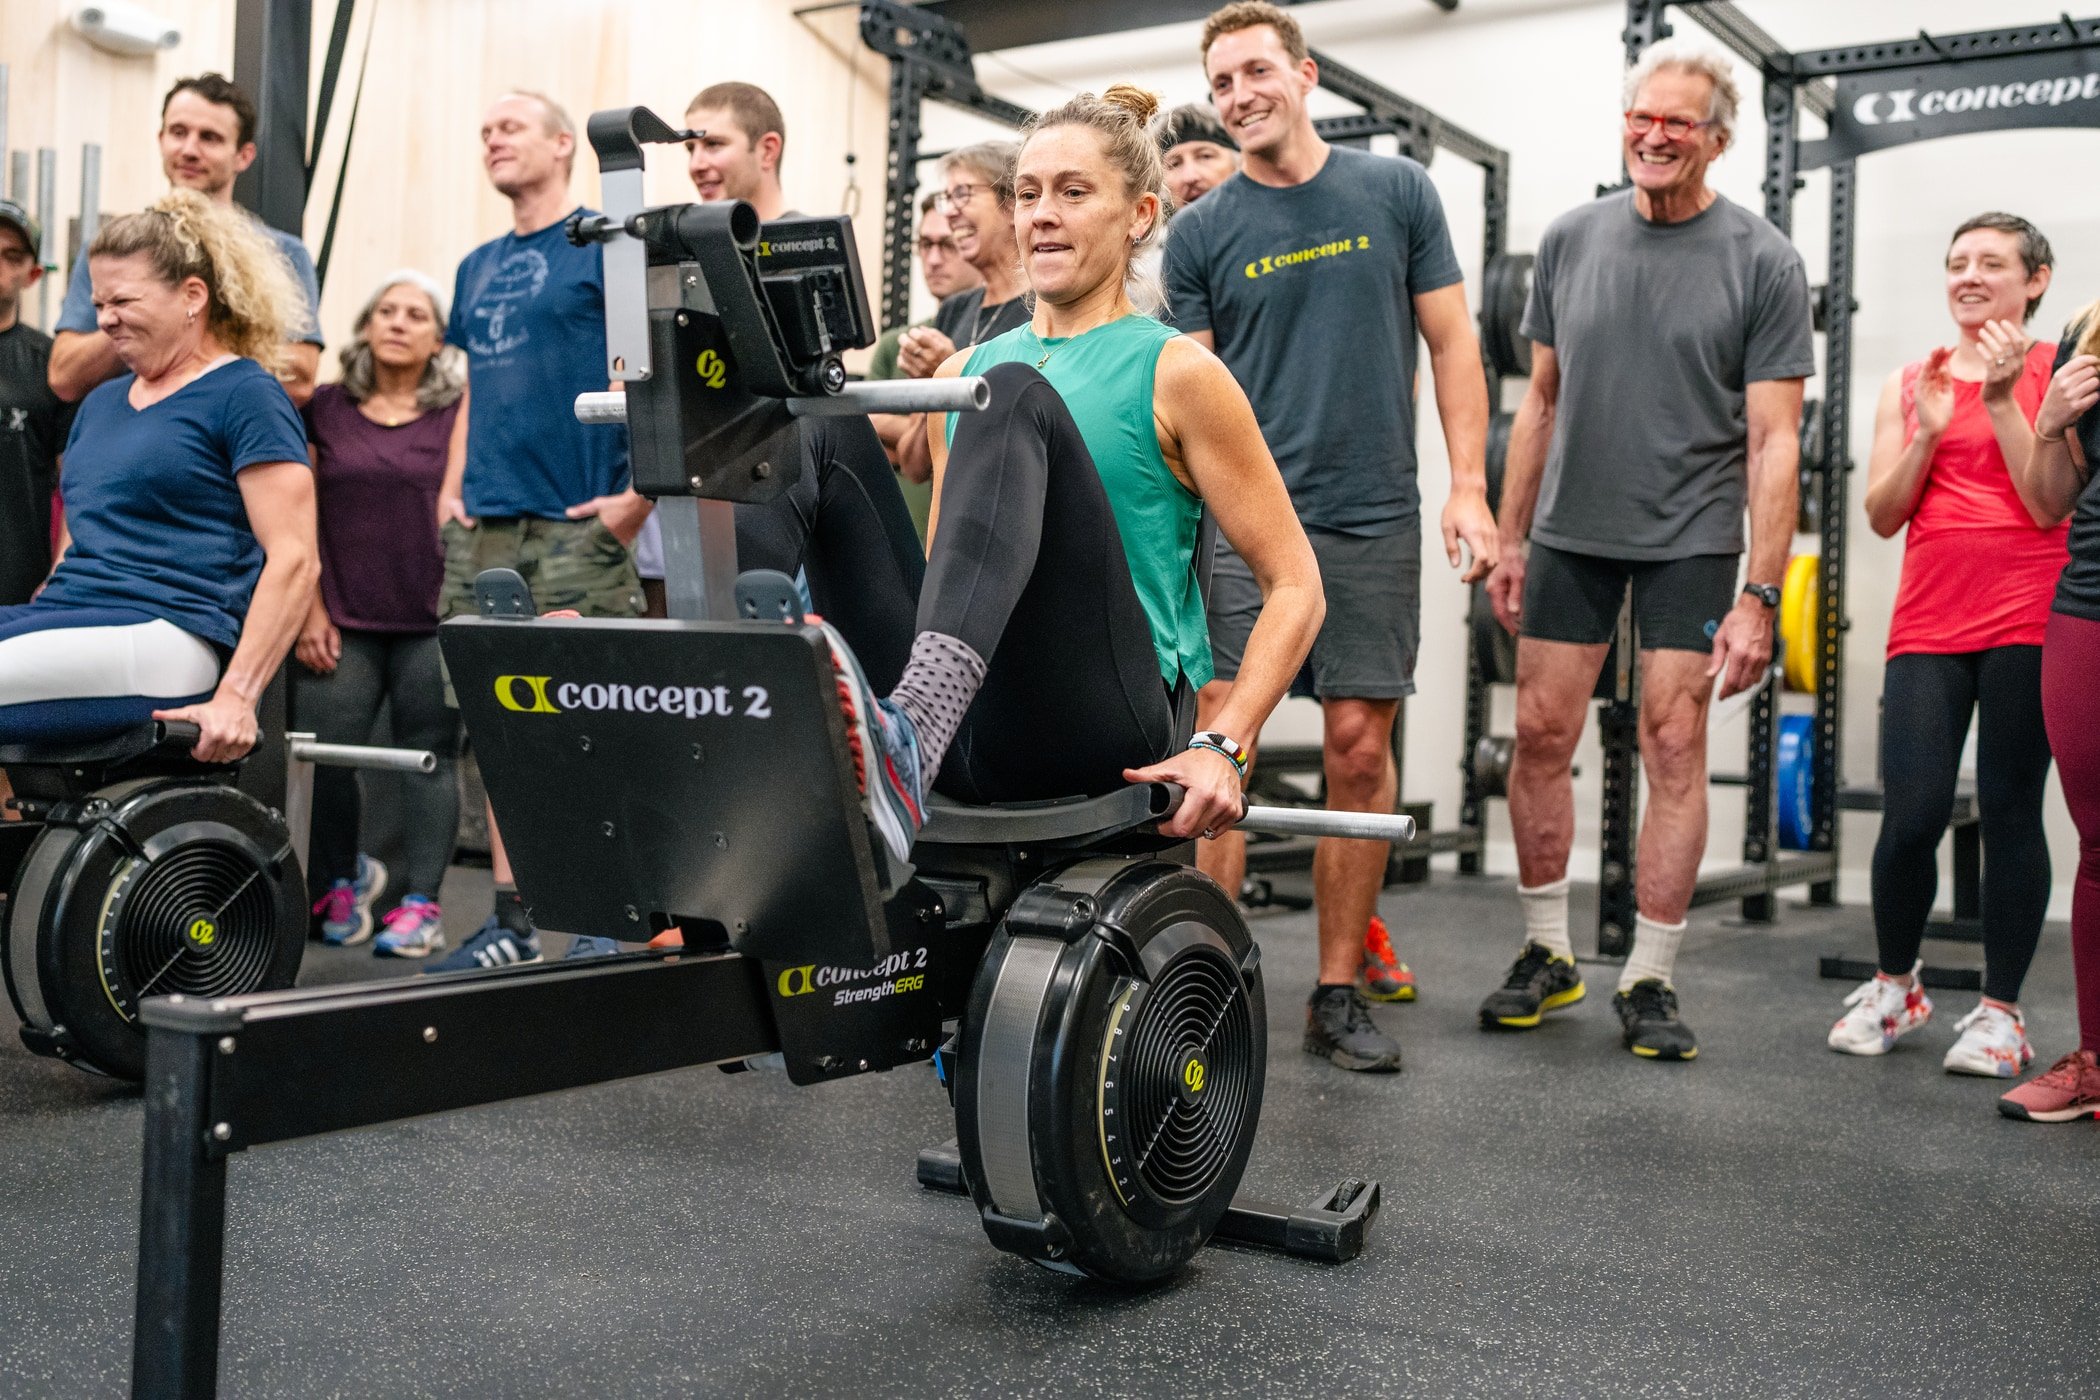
(1879, 1013)
(1993, 1043)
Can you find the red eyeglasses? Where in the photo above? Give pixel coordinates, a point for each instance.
(1640, 123)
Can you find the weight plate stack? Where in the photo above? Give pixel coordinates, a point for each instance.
(159, 887)
(1504, 288)
(1800, 621)
(1109, 1075)
(1796, 789)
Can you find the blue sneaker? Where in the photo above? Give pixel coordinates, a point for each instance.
(493, 946)
(585, 946)
(885, 753)
(414, 930)
(346, 910)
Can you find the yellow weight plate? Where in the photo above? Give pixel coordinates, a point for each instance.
(1800, 610)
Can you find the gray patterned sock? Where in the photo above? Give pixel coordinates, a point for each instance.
(938, 684)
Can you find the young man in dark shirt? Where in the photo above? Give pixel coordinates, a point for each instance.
(207, 138)
(33, 420)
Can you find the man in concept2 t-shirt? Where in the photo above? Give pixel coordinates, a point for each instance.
(1309, 273)
(1671, 335)
(207, 138)
(528, 487)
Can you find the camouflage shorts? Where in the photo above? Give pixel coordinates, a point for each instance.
(566, 563)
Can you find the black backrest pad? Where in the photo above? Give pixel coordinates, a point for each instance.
(680, 769)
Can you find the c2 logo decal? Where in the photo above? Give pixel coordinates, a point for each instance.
(536, 686)
(713, 372)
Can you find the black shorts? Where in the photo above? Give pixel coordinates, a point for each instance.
(1678, 604)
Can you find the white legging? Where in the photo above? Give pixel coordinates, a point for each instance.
(65, 678)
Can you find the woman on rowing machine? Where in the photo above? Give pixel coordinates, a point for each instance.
(1060, 606)
(1966, 637)
(189, 500)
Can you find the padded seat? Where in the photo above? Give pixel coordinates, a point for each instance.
(1074, 821)
(157, 747)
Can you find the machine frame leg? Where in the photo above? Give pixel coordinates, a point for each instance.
(182, 1226)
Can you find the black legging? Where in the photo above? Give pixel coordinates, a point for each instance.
(400, 669)
(1028, 568)
(1027, 545)
(845, 523)
(1926, 704)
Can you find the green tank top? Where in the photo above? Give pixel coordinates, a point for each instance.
(1105, 378)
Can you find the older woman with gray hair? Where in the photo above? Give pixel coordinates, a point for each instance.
(379, 440)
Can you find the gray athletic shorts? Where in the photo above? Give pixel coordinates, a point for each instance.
(1366, 648)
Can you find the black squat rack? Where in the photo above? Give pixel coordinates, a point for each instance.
(1870, 97)
(931, 58)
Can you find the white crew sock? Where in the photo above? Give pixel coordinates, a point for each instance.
(1654, 951)
(1546, 917)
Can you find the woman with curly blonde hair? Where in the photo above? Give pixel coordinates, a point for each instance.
(189, 500)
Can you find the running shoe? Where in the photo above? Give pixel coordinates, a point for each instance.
(345, 911)
(1649, 1023)
(1381, 974)
(1338, 1027)
(336, 918)
(585, 945)
(1993, 1043)
(414, 929)
(493, 946)
(1539, 981)
(2068, 1089)
(885, 752)
(1880, 1012)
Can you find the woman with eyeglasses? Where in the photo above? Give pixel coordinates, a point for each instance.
(1965, 639)
(977, 195)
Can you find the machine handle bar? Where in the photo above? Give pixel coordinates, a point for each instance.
(1308, 821)
(364, 756)
(962, 395)
(1313, 821)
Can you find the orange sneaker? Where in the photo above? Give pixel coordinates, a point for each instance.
(1383, 975)
(2068, 1089)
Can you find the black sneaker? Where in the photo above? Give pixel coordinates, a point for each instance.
(1338, 1027)
(1648, 1012)
(1538, 982)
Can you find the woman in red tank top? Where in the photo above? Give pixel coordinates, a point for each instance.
(1979, 573)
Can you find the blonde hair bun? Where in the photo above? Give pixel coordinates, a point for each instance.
(1141, 104)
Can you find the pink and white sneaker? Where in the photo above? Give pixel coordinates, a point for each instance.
(1993, 1043)
(2068, 1089)
(1880, 1013)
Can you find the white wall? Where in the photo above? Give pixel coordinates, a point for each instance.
(415, 194)
(1541, 78)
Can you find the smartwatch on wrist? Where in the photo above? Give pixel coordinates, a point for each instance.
(1765, 593)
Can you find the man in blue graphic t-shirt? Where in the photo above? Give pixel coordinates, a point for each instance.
(528, 487)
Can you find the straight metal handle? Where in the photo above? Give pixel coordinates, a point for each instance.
(1308, 821)
(966, 395)
(364, 756)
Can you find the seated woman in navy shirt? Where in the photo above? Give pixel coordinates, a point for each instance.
(188, 496)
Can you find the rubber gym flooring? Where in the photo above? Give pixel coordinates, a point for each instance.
(1559, 1218)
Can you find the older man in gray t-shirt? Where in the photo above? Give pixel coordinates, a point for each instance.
(1671, 335)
